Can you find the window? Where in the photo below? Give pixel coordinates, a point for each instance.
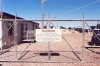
(10, 32)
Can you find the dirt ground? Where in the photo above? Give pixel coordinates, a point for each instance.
(68, 52)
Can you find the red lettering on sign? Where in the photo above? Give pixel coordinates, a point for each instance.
(48, 30)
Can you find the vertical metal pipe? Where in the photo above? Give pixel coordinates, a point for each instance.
(57, 25)
(1, 15)
(83, 37)
(15, 35)
(49, 20)
(27, 35)
(49, 51)
(98, 25)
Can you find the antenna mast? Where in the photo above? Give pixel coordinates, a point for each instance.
(42, 14)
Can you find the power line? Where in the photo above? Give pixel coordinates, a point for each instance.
(85, 6)
(70, 12)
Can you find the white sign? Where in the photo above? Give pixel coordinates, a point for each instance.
(48, 35)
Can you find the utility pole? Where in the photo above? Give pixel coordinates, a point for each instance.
(43, 1)
(42, 13)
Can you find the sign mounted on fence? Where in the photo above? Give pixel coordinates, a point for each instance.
(48, 35)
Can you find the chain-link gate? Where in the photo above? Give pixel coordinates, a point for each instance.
(60, 52)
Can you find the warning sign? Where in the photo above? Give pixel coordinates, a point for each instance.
(48, 35)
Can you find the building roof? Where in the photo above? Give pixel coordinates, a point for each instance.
(8, 16)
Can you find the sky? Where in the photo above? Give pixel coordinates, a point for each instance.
(58, 9)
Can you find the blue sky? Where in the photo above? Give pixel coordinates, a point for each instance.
(61, 9)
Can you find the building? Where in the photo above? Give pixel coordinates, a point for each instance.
(11, 32)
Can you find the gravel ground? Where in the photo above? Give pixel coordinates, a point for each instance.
(62, 53)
